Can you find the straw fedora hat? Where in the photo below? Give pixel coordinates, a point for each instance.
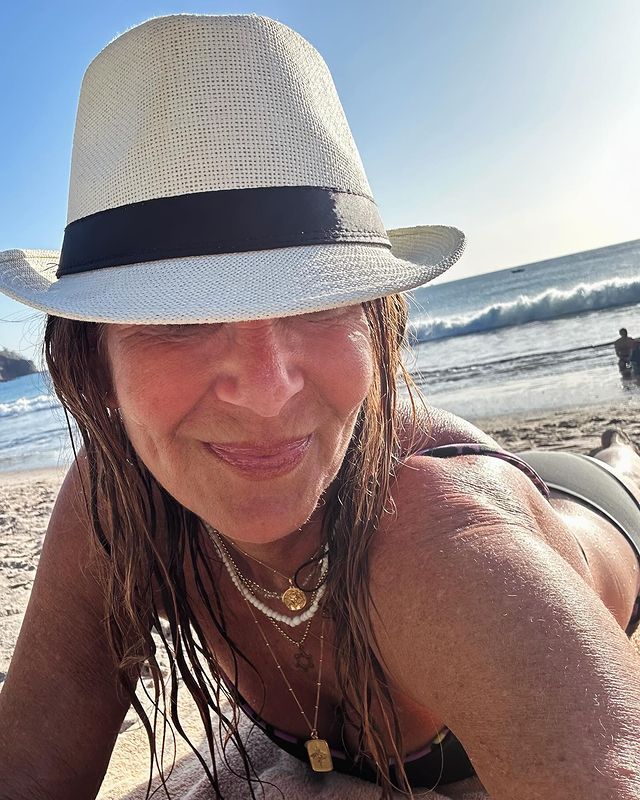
(214, 178)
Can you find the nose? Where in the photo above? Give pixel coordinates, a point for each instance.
(260, 370)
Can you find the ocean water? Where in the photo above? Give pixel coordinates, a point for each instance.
(33, 429)
(533, 338)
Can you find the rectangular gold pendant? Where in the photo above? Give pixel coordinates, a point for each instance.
(319, 755)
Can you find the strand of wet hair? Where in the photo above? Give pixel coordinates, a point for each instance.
(197, 684)
(231, 733)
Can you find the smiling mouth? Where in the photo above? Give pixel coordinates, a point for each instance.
(262, 461)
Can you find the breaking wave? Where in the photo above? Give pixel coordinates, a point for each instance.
(26, 405)
(550, 304)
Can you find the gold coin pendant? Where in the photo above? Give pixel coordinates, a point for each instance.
(294, 599)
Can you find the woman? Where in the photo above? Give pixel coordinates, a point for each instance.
(226, 328)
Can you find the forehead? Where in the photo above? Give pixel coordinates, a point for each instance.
(319, 323)
(342, 311)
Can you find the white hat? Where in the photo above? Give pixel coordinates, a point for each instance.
(214, 178)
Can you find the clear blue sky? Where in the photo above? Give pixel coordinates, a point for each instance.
(517, 121)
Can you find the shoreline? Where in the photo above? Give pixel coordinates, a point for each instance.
(11, 477)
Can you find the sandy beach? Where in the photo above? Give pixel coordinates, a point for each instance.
(26, 500)
(578, 431)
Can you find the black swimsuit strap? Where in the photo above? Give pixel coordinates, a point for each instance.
(475, 449)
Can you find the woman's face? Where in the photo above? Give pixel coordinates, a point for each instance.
(244, 423)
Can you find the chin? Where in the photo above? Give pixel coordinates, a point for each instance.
(257, 511)
(264, 515)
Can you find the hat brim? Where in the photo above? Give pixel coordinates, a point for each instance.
(236, 286)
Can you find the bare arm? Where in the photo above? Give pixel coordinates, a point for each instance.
(498, 635)
(59, 708)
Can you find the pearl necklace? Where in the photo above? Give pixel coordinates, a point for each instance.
(292, 622)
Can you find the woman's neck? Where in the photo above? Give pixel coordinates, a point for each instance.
(285, 555)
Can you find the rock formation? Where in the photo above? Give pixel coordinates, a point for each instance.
(14, 366)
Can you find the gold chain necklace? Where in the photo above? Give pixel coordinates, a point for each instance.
(317, 749)
(251, 597)
(293, 598)
(254, 586)
(303, 659)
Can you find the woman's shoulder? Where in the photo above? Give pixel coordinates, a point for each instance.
(475, 495)
(469, 541)
(445, 512)
(441, 489)
(462, 491)
(481, 619)
(460, 531)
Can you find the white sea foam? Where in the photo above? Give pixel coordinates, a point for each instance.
(25, 405)
(547, 305)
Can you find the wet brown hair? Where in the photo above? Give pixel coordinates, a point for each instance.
(128, 509)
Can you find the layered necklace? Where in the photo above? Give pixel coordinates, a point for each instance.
(292, 598)
(317, 749)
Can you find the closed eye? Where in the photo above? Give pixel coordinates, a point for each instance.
(327, 314)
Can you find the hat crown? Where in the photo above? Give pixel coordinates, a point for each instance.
(193, 103)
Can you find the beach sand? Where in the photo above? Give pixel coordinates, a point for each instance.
(26, 500)
(578, 431)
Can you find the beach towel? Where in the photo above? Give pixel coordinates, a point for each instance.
(283, 776)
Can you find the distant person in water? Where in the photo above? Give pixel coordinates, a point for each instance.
(634, 359)
(623, 346)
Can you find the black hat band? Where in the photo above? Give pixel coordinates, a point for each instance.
(224, 221)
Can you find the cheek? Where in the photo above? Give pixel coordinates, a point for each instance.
(361, 367)
(348, 366)
(153, 393)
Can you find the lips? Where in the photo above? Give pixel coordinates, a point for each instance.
(261, 460)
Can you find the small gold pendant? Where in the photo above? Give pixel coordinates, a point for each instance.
(319, 755)
(303, 660)
(294, 599)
